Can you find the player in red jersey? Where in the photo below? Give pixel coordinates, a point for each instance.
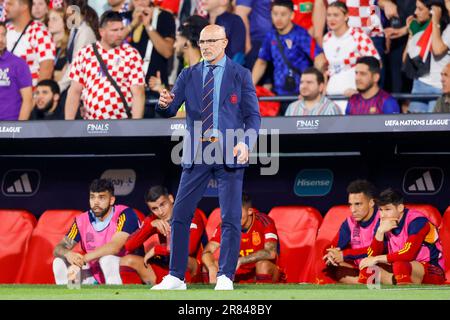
(258, 251)
(155, 265)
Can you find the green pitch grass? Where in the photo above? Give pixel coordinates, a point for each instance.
(206, 292)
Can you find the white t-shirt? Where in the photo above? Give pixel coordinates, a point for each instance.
(434, 77)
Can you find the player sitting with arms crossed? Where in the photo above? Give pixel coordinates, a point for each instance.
(355, 235)
(412, 242)
(155, 265)
(258, 250)
(102, 231)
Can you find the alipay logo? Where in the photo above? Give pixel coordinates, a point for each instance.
(21, 183)
(313, 182)
(212, 189)
(423, 181)
(124, 180)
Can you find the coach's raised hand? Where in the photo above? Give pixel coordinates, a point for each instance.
(165, 98)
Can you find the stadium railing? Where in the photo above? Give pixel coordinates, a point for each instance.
(398, 96)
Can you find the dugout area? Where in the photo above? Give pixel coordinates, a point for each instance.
(46, 169)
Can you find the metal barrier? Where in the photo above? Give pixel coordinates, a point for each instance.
(398, 96)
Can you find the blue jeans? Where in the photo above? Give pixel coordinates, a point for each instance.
(420, 106)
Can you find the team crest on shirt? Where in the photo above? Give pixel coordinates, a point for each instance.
(373, 110)
(89, 240)
(256, 238)
(233, 98)
(289, 43)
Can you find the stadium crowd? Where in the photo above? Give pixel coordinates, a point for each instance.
(105, 59)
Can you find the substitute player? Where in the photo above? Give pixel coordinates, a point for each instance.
(412, 242)
(258, 250)
(155, 265)
(355, 235)
(102, 232)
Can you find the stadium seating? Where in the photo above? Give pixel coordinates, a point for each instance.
(327, 231)
(444, 234)
(50, 229)
(15, 231)
(297, 230)
(330, 226)
(431, 212)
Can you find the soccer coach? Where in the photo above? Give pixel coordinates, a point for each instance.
(220, 98)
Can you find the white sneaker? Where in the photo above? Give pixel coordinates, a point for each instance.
(223, 283)
(170, 282)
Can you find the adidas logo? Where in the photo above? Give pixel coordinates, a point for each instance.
(21, 185)
(423, 181)
(21, 182)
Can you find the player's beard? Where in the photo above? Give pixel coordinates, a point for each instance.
(102, 213)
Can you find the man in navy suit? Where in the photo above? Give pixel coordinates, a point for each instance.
(222, 117)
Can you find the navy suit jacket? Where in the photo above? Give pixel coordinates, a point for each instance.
(238, 109)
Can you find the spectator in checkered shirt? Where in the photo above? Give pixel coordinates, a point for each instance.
(343, 45)
(36, 46)
(362, 14)
(100, 98)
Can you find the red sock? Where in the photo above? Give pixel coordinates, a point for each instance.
(402, 272)
(363, 276)
(205, 277)
(263, 278)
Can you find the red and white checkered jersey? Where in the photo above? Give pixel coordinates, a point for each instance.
(364, 14)
(342, 52)
(35, 46)
(57, 3)
(101, 100)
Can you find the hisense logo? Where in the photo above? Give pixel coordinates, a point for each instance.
(313, 182)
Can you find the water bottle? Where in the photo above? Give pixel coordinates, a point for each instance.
(74, 277)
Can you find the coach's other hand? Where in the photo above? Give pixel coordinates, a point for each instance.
(165, 98)
(241, 151)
